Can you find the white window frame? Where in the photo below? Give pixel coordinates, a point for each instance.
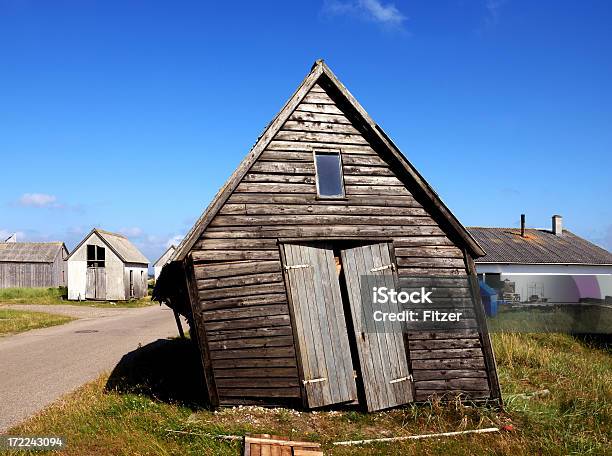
(324, 151)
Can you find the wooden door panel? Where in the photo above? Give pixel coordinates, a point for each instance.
(95, 286)
(100, 283)
(90, 285)
(320, 328)
(382, 354)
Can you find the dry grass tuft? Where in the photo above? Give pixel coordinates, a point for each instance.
(575, 418)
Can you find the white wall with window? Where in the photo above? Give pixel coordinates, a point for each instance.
(94, 253)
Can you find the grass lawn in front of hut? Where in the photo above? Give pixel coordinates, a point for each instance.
(51, 296)
(16, 321)
(563, 318)
(156, 412)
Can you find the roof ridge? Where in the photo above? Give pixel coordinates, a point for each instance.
(32, 242)
(546, 230)
(100, 230)
(407, 172)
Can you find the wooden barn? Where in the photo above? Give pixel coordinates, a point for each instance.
(270, 275)
(106, 266)
(32, 264)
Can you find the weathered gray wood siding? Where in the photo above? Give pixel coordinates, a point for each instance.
(139, 278)
(58, 269)
(242, 295)
(26, 275)
(34, 275)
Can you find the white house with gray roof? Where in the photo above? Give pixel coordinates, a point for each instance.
(106, 266)
(544, 265)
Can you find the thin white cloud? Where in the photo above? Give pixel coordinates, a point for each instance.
(152, 245)
(77, 230)
(387, 14)
(494, 10)
(134, 232)
(373, 10)
(175, 240)
(5, 234)
(38, 200)
(607, 239)
(601, 236)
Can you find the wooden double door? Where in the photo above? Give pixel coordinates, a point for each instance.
(95, 286)
(337, 346)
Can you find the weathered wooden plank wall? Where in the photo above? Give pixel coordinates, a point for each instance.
(237, 265)
(26, 275)
(139, 286)
(34, 274)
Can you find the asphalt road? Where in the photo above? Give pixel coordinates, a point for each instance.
(39, 366)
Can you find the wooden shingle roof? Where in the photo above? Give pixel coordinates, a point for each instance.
(505, 245)
(29, 252)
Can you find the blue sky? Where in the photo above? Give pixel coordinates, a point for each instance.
(129, 115)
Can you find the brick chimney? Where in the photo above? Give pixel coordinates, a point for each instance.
(557, 225)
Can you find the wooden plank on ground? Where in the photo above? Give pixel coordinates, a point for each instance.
(274, 445)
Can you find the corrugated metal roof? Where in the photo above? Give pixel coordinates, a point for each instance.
(505, 245)
(29, 252)
(123, 247)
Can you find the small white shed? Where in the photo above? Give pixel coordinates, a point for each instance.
(163, 260)
(106, 266)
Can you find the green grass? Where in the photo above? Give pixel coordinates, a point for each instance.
(33, 295)
(16, 321)
(567, 319)
(575, 418)
(51, 296)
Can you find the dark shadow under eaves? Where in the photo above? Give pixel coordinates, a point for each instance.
(168, 370)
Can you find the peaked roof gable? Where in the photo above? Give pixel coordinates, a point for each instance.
(322, 74)
(119, 244)
(165, 257)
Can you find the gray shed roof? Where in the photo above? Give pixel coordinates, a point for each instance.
(505, 245)
(29, 252)
(118, 243)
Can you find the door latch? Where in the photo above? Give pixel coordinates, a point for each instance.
(382, 268)
(401, 379)
(314, 380)
(297, 266)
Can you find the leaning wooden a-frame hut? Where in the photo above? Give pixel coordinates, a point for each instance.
(269, 276)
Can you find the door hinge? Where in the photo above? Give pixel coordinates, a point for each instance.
(314, 380)
(297, 266)
(401, 379)
(382, 268)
